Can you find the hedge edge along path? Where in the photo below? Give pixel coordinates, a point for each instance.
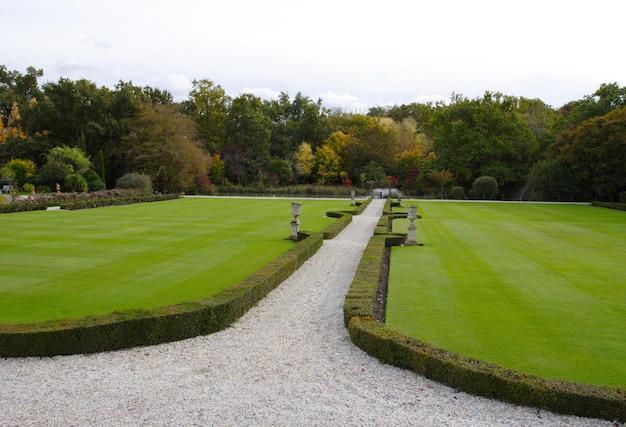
(158, 325)
(455, 370)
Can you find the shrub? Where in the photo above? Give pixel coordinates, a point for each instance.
(76, 183)
(94, 181)
(135, 181)
(28, 187)
(458, 193)
(484, 187)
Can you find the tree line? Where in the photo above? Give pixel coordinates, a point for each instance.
(85, 137)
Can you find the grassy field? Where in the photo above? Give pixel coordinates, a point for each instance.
(534, 287)
(70, 264)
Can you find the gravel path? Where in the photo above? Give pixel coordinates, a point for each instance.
(288, 361)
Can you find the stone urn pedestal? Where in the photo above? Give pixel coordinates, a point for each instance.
(412, 216)
(295, 224)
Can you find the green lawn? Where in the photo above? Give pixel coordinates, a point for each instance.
(534, 287)
(70, 264)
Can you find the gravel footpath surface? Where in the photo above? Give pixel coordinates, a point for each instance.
(288, 361)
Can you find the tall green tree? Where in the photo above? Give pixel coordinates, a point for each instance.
(595, 153)
(484, 136)
(248, 130)
(540, 118)
(208, 104)
(18, 88)
(293, 122)
(550, 180)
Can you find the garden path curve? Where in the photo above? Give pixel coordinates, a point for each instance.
(288, 361)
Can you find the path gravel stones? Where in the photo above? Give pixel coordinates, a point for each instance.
(288, 361)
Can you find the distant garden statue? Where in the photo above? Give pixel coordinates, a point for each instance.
(295, 224)
(412, 216)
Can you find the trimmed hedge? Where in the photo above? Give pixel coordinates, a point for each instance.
(72, 201)
(162, 324)
(618, 206)
(344, 218)
(458, 371)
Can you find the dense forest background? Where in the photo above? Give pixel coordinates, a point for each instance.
(84, 137)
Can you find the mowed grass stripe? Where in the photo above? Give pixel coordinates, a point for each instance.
(71, 264)
(538, 288)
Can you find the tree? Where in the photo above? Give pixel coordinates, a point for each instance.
(216, 169)
(293, 122)
(248, 139)
(208, 104)
(550, 180)
(17, 88)
(371, 140)
(484, 136)
(13, 128)
(540, 118)
(20, 171)
(595, 153)
(442, 177)
(305, 160)
(601, 102)
(74, 113)
(162, 144)
(484, 187)
(279, 171)
(327, 164)
(61, 162)
(409, 165)
(373, 173)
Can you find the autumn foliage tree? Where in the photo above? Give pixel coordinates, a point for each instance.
(162, 144)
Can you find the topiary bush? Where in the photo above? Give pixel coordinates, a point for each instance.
(484, 187)
(457, 193)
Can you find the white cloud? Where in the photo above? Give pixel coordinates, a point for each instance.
(345, 101)
(178, 85)
(263, 93)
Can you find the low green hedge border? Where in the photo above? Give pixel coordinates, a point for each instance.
(618, 206)
(458, 371)
(164, 324)
(83, 201)
(344, 218)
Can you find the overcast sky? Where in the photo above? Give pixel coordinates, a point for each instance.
(353, 54)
